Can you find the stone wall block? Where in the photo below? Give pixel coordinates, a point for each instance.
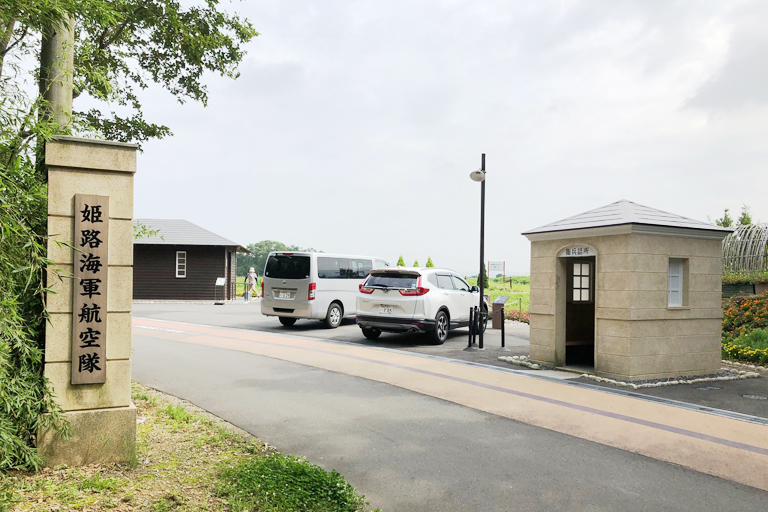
(613, 263)
(612, 364)
(91, 154)
(543, 280)
(98, 437)
(618, 328)
(543, 354)
(64, 184)
(119, 332)
(60, 230)
(612, 345)
(121, 242)
(59, 280)
(614, 299)
(120, 285)
(116, 392)
(613, 281)
(542, 336)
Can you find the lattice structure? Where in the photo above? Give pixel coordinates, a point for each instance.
(744, 250)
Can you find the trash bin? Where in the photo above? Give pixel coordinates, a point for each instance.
(498, 305)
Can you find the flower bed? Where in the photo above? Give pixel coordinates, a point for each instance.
(517, 315)
(742, 315)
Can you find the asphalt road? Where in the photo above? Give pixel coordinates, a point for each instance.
(248, 316)
(743, 396)
(411, 452)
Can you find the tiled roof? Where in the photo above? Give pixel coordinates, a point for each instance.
(182, 232)
(624, 212)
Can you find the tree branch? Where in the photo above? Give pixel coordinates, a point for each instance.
(17, 41)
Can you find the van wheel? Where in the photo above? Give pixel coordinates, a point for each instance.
(287, 321)
(333, 318)
(440, 334)
(371, 333)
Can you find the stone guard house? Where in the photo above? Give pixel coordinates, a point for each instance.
(627, 292)
(183, 262)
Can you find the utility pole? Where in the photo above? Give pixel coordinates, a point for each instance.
(481, 276)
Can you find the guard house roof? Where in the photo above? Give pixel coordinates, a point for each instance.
(629, 217)
(182, 232)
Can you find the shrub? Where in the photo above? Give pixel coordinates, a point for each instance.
(281, 483)
(26, 402)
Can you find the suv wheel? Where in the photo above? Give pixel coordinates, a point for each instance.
(287, 321)
(371, 333)
(333, 318)
(440, 334)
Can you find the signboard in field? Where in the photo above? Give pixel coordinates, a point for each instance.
(495, 269)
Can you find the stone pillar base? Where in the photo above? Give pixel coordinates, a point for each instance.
(98, 436)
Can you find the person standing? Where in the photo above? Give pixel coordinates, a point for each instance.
(252, 280)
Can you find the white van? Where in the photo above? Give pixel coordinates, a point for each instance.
(314, 285)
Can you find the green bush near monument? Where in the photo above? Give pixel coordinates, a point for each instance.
(27, 402)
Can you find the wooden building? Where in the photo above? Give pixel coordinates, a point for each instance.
(182, 262)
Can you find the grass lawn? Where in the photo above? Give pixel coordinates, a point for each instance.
(520, 288)
(186, 461)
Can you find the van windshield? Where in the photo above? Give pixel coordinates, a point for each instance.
(283, 266)
(393, 280)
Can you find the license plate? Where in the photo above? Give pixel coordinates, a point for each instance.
(385, 310)
(283, 294)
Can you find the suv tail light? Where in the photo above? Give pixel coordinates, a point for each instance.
(311, 292)
(262, 287)
(417, 291)
(364, 289)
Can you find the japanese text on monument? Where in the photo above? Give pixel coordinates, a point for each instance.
(89, 314)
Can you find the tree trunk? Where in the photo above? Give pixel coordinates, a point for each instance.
(5, 38)
(56, 70)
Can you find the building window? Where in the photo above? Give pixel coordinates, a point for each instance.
(677, 282)
(181, 263)
(581, 282)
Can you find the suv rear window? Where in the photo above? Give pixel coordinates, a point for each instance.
(393, 280)
(282, 266)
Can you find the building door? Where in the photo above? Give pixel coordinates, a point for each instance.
(580, 312)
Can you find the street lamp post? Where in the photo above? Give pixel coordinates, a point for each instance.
(480, 176)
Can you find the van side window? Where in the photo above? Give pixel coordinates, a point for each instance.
(444, 282)
(342, 268)
(381, 264)
(360, 268)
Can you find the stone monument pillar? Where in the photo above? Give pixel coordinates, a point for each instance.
(88, 341)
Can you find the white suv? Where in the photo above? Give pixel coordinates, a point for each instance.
(429, 300)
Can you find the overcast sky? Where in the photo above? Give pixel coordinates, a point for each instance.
(355, 124)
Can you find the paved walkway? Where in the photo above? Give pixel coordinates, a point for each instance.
(729, 447)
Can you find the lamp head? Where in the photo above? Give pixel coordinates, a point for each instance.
(477, 175)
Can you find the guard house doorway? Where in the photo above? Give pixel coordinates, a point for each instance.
(580, 312)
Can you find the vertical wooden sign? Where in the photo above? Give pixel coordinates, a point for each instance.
(89, 307)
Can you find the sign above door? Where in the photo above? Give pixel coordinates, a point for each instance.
(577, 252)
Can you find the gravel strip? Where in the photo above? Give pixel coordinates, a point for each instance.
(724, 375)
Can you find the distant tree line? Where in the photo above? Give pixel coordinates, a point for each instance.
(259, 252)
(401, 262)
